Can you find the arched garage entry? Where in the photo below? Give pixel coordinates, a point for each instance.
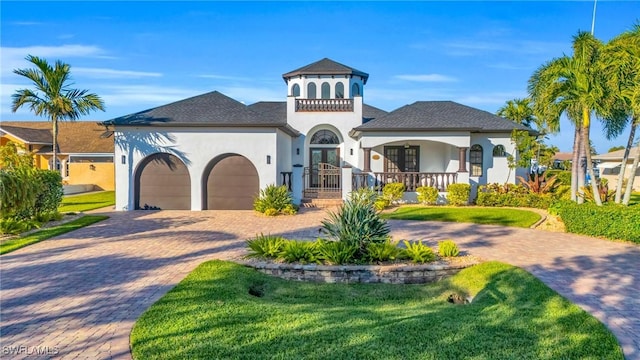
(230, 182)
(162, 181)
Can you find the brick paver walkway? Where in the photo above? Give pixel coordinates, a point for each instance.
(78, 295)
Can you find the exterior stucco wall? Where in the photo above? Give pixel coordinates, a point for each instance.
(434, 156)
(495, 169)
(98, 174)
(196, 147)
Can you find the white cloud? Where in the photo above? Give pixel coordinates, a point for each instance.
(495, 98)
(144, 95)
(250, 95)
(528, 47)
(14, 57)
(102, 73)
(225, 77)
(426, 78)
(26, 23)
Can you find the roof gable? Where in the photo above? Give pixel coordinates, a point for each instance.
(326, 66)
(440, 115)
(74, 137)
(212, 108)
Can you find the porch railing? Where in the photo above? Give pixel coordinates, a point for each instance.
(324, 104)
(323, 183)
(411, 180)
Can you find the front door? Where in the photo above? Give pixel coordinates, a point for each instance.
(319, 155)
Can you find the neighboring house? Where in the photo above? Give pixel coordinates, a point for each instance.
(85, 153)
(562, 160)
(213, 152)
(611, 163)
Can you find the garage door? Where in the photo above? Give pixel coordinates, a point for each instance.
(162, 182)
(232, 184)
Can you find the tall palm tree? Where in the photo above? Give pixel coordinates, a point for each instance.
(622, 65)
(52, 96)
(576, 86)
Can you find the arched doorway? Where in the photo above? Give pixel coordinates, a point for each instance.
(162, 182)
(323, 175)
(230, 182)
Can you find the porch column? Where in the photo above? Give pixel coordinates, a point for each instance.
(462, 159)
(297, 183)
(347, 181)
(367, 159)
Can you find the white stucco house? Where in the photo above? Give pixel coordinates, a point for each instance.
(213, 152)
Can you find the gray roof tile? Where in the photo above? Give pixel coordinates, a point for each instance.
(326, 66)
(212, 108)
(440, 115)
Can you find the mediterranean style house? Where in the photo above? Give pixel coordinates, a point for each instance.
(84, 154)
(213, 152)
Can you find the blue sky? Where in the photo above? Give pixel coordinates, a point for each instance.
(138, 55)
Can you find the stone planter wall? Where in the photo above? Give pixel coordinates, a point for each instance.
(388, 274)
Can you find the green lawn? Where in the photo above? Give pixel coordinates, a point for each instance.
(20, 242)
(210, 314)
(78, 203)
(635, 199)
(478, 215)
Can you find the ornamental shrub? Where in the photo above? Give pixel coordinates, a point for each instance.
(357, 224)
(611, 221)
(511, 195)
(458, 194)
(337, 252)
(563, 176)
(386, 251)
(274, 200)
(50, 195)
(265, 246)
(418, 252)
(427, 195)
(301, 251)
(393, 192)
(447, 248)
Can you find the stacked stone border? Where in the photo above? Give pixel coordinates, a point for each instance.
(367, 274)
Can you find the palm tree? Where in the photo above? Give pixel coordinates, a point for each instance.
(576, 86)
(518, 111)
(622, 59)
(52, 96)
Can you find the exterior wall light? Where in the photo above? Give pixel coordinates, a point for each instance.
(268, 159)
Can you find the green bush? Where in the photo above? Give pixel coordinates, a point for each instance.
(386, 251)
(49, 197)
(563, 176)
(447, 248)
(301, 251)
(392, 192)
(274, 200)
(381, 204)
(364, 195)
(16, 226)
(418, 252)
(265, 246)
(511, 195)
(357, 224)
(337, 252)
(458, 194)
(610, 221)
(427, 195)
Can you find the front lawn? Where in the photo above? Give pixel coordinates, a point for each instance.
(10, 245)
(211, 315)
(635, 199)
(78, 203)
(478, 215)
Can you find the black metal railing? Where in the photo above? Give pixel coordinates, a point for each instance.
(323, 182)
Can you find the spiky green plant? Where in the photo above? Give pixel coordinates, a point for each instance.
(385, 251)
(265, 246)
(418, 252)
(337, 253)
(447, 248)
(357, 224)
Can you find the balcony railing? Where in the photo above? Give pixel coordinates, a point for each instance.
(411, 180)
(324, 105)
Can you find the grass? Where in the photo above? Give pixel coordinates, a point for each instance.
(210, 314)
(478, 215)
(79, 203)
(20, 242)
(635, 199)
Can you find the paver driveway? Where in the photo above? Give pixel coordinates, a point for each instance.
(78, 295)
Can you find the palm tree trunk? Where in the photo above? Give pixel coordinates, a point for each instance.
(54, 120)
(585, 142)
(625, 159)
(575, 161)
(632, 177)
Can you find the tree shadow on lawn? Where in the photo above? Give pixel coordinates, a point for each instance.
(216, 317)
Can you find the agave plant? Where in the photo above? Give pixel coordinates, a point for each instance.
(356, 223)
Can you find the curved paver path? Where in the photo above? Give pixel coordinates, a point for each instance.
(78, 295)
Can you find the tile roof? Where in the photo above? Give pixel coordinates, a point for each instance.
(74, 137)
(326, 66)
(440, 115)
(616, 155)
(28, 135)
(210, 109)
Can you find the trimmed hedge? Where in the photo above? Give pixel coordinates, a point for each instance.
(458, 194)
(611, 221)
(514, 200)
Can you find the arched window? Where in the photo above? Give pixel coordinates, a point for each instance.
(355, 90)
(311, 91)
(339, 90)
(325, 137)
(326, 90)
(498, 151)
(295, 90)
(475, 160)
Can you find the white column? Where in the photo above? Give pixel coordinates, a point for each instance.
(297, 183)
